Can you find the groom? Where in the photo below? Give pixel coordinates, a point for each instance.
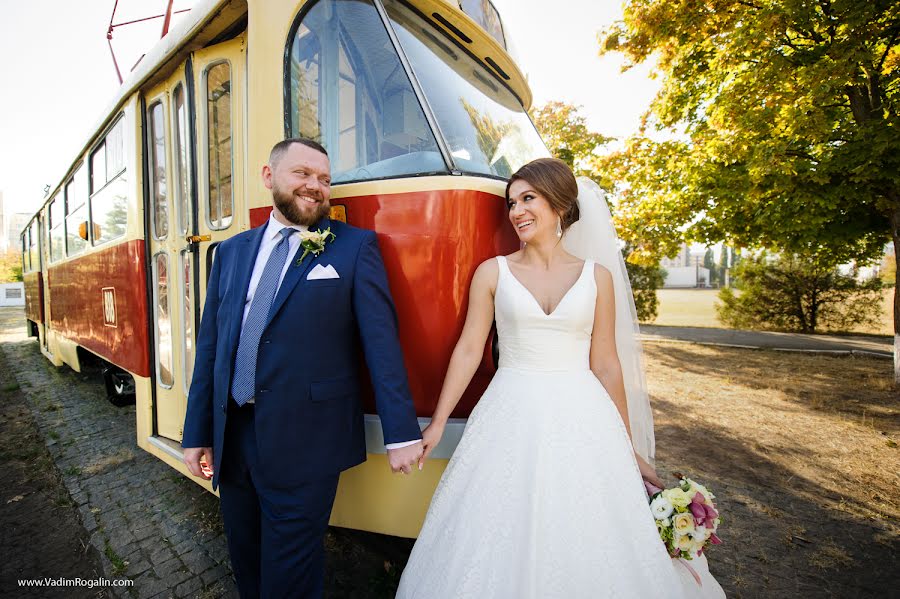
(274, 404)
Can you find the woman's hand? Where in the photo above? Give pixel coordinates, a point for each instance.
(431, 436)
(648, 473)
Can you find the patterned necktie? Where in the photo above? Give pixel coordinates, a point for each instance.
(243, 384)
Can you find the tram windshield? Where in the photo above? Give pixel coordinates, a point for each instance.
(484, 125)
(347, 88)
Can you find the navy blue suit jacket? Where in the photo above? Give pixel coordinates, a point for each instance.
(309, 418)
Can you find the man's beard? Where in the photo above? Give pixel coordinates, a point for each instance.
(287, 205)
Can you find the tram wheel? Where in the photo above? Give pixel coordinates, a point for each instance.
(119, 386)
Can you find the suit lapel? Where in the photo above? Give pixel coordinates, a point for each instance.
(297, 273)
(243, 270)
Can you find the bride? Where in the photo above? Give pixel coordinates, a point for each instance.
(544, 495)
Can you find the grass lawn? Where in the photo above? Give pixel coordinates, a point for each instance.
(696, 308)
(802, 453)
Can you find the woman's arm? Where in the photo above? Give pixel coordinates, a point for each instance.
(605, 359)
(468, 352)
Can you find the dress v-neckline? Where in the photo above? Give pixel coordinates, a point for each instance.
(534, 299)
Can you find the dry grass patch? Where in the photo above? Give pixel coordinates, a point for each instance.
(120, 457)
(822, 426)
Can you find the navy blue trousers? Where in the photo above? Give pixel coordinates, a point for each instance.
(275, 535)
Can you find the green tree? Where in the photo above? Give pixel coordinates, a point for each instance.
(568, 138)
(798, 293)
(786, 116)
(645, 280)
(11, 267)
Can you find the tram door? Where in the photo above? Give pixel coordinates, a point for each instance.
(193, 121)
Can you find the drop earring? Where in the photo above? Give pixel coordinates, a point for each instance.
(558, 226)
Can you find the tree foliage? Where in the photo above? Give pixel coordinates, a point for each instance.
(11, 267)
(787, 116)
(568, 138)
(792, 293)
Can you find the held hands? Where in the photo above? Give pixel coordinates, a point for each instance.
(404, 458)
(431, 436)
(648, 472)
(199, 461)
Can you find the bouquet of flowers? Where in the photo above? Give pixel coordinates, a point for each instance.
(686, 518)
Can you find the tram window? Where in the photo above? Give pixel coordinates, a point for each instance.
(56, 230)
(115, 150)
(187, 315)
(98, 168)
(349, 91)
(158, 174)
(26, 258)
(182, 171)
(484, 13)
(34, 259)
(219, 145)
(109, 187)
(485, 126)
(76, 213)
(163, 320)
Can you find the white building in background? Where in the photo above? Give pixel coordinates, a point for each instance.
(686, 268)
(11, 225)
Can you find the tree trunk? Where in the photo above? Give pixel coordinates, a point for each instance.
(895, 235)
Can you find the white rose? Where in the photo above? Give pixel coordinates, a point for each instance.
(683, 523)
(661, 507)
(684, 542)
(677, 497)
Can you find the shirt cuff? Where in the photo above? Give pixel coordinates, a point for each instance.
(402, 444)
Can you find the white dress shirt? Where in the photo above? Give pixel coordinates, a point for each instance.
(271, 237)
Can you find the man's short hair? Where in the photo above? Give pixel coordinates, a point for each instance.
(282, 146)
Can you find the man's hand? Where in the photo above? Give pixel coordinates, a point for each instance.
(193, 457)
(404, 458)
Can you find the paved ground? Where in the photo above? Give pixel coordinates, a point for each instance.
(148, 523)
(862, 344)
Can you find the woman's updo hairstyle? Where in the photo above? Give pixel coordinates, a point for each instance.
(553, 179)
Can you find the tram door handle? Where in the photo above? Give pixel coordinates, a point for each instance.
(195, 239)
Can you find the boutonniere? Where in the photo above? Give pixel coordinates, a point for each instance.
(313, 242)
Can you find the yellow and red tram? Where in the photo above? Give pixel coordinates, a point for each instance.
(423, 113)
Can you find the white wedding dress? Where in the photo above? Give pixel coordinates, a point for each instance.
(543, 497)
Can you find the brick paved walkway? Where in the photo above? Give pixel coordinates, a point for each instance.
(150, 523)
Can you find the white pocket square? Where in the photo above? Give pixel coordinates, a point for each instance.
(322, 272)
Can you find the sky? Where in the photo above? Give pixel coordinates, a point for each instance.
(59, 77)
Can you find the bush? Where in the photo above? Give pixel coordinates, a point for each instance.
(800, 294)
(645, 280)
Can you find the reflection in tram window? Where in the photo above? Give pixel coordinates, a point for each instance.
(55, 225)
(34, 258)
(109, 187)
(484, 125)
(187, 316)
(76, 213)
(484, 13)
(163, 321)
(218, 126)
(349, 91)
(182, 172)
(158, 178)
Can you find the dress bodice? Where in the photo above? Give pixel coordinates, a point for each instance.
(530, 339)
